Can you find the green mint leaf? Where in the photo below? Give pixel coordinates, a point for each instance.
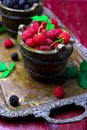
(84, 73)
(8, 72)
(12, 66)
(40, 18)
(49, 21)
(83, 66)
(5, 74)
(3, 67)
(50, 27)
(36, 18)
(70, 72)
(82, 81)
(44, 18)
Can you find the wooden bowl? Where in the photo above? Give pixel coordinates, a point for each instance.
(44, 65)
(12, 18)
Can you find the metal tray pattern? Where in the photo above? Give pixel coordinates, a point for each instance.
(37, 98)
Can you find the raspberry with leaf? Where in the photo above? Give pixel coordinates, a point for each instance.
(45, 34)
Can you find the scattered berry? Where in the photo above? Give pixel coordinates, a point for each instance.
(58, 92)
(14, 100)
(14, 56)
(65, 36)
(8, 43)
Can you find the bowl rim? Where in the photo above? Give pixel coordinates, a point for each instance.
(35, 5)
(21, 29)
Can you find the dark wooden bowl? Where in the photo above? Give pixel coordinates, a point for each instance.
(44, 65)
(12, 18)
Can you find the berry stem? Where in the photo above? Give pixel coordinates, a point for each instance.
(40, 28)
(59, 40)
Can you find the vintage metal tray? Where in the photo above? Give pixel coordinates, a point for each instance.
(37, 98)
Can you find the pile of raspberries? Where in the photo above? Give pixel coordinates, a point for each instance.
(19, 4)
(36, 36)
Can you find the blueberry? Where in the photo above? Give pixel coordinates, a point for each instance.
(14, 100)
(26, 6)
(22, 3)
(31, 2)
(1, 23)
(16, 7)
(14, 56)
(15, 1)
(8, 3)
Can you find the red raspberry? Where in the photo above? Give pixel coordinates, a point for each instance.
(45, 48)
(26, 34)
(44, 24)
(43, 31)
(35, 27)
(8, 43)
(58, 31)
(52, 34)
(39, 39)
(30, 29)
(65, 36)
(48, 42)
(37, 48)
(58, 92)
(56, 45)
(55, 22)
(29, 42)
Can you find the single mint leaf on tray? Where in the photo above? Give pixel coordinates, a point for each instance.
(82, 81)
(12, 66)
(5, 74)
(70, 72)
(3, 66)
(83, 66)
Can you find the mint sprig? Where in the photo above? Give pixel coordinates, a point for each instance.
(6, 72)
(44, 18)
(82, 77)
(79, 73)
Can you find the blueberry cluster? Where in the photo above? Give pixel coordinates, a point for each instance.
(19, 4)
